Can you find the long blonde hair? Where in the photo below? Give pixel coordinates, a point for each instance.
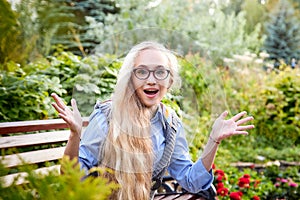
(128, 147)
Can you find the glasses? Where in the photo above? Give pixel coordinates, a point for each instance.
(159, 74)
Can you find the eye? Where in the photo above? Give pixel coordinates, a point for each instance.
(160, 72)
(141, 72)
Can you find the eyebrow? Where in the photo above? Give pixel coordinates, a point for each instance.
(156, 67)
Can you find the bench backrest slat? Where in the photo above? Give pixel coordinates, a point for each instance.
(34, 139)
(33, 157)
(35, 125)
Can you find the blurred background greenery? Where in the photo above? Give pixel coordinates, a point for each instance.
(235, 55)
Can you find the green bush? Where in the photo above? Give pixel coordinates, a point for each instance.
(95, 81)
(54, 186)
(25, 92)
(273, 99)
(279, 121)
(25, 96)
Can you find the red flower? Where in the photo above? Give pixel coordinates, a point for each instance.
(220, 185)
(236, 195)
(222, 191)
(213, 166)
(219, 172)
(255, 198)
(220, 178)
(244, 182)
(246, 176)
(220, 175)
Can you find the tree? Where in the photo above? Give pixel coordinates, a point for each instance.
(10, 37)
(65, 23)
(255, 13)
(184, 26)
(283, 33)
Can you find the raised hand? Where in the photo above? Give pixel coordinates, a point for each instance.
(71, 116)
(223, 128)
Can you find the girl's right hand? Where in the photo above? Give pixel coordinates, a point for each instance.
(71, 116)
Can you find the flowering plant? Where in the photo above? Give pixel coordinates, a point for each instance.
(252, 185)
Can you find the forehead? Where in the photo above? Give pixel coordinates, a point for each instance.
(151, 57)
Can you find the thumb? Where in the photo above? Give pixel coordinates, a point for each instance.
(74, 104)
(224, 114)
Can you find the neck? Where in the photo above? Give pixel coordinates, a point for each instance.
(153, 109)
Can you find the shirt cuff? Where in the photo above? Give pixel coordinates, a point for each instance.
(203, 177)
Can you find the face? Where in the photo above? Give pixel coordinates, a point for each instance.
(150, 89)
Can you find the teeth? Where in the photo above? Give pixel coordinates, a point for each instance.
(151, 90)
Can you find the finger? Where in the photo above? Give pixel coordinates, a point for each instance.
(74, 105)
(242, 121)
(57, 108)
(58, 101)
(240, 133)
(242, 128)
(238, 116)
(233, 133)
(64, 117)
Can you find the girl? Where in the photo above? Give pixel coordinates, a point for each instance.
(129, 133)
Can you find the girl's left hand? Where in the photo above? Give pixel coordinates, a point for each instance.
(223, 128)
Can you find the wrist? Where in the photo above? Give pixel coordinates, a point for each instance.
(214, 140)
(74, 135)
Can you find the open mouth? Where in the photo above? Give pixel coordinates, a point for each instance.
(151, 92)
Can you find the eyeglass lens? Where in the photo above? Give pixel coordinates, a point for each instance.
(159, 74)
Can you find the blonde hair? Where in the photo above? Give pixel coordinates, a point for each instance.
(128, 147)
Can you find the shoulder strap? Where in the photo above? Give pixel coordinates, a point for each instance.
(160, 169)
(105, 108)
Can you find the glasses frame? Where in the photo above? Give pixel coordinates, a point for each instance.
(149, 72)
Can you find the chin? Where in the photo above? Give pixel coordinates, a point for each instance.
(151, 105)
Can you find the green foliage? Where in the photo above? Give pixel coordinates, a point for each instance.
(25, 96)
(86, 79)
(199, 84)
(273, 100)
(64, 23)
(65, 66)
(26, 92)
(53, 186)
(255, 14)
(95, 81)
(281, 105)
(283, 33)
(10, 37)
(215, 34)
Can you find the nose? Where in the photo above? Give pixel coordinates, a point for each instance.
(151, 79)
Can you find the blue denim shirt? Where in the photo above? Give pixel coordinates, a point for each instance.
(191, 176)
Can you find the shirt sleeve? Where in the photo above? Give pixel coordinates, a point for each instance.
(92, 137)
(193, 177)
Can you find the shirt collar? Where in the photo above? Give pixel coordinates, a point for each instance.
(163, 114)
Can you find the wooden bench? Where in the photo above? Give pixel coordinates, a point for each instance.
(46, 140)
(48, 136)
